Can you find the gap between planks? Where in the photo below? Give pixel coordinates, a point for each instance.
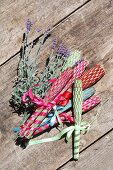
(98, 156)
(65, 165)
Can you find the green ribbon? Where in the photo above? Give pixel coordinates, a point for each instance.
(84, 127)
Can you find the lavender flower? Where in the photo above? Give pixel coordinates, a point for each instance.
(29, 25)
(61, 49)
(54, 44)
(38, 30)
(67, 52)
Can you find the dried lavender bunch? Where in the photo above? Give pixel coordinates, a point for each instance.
(25, 76)
(27, 70)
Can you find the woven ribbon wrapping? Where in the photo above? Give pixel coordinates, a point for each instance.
(92, 76)
(95, 74)
(40, 114)
(74, 58)
(77, 106)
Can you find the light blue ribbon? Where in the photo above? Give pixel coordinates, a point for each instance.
(16, 129)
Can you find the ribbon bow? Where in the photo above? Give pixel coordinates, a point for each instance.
(30, 97)
(83, 127)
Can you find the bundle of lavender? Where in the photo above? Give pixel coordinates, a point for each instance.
(45, 99)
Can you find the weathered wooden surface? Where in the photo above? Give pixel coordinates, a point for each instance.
(89, 29)
(13, 15)
(98, 156)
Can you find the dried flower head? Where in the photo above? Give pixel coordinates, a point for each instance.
(63, 50)
(54, 44)
(67, 52)
(38, 30)
(29, 25)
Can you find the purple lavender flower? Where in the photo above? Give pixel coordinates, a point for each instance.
(29, 25)
(38, 30)
(54, 44)
(61, 49)
(67, 52)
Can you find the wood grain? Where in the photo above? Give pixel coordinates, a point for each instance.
(98, 156)
(43, 13)
(89, 29)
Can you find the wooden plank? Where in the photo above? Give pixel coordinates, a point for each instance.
(92, 32)
(43, 13)
(98, 156)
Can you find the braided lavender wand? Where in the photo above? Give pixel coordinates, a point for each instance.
(77, 106)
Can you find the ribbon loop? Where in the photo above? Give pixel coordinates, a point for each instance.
(30, 97)
(57, 116)
(84, 126)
